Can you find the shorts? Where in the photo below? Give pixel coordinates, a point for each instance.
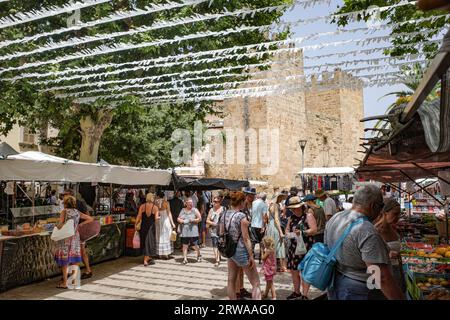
(256, 235)
(189, 241)
(215, 241)
(268, 277)
(241, 257)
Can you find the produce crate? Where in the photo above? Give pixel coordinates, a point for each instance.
(413, 279)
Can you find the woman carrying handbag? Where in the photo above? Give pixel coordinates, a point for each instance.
(68, 250)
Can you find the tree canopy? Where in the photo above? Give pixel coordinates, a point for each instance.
(396, 16)
(127, 132)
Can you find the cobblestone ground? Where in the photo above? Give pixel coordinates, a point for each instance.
(126, 278)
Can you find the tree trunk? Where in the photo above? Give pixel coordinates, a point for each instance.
(43, 135)
(91, 134)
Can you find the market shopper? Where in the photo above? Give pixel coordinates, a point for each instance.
(329, 206)
(319, 216)
(257, 227)
(362, 248)
(68, 251)
(274, 231)
(237, 226)
(250, 194)
(301, 224)
(269, 267)
(213, 219)
(82, 207)
(176, 205)
(386, 225)
(146, 220)
(164, 228)
(189, 219)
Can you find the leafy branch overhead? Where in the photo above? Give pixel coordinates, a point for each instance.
(137, 134)
(395, 16)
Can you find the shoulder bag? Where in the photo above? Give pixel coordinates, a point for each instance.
(318, 266)
(226, 244)
(89, 231)
(66, 231)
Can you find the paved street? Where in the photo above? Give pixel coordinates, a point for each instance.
(126, 278)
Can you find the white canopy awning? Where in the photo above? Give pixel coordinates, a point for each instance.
(39, 166)
(258, 183)
(324, 171)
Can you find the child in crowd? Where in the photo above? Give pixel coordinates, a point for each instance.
(269, 267)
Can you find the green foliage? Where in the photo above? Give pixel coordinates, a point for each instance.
(398, 15)
(411, 77)
(141, 136)
(134, 127)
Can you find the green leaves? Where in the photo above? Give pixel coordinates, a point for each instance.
(398, 15)
(138, 135)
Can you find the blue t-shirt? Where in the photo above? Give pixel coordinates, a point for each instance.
(259, 208)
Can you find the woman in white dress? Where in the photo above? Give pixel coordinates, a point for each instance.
(164, 228)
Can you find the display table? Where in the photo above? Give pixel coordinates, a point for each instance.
(29, 258)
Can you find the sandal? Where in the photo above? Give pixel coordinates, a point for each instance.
(185, 262)
(61, 286)
(86, 275)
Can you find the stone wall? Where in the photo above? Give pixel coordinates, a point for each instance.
(326, 113)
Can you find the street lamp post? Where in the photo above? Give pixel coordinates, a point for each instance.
(302, 144)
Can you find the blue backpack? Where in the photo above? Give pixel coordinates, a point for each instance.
(318, 266)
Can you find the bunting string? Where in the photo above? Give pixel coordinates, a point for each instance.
(183, 79)
(124, 46)
(181, 21)
(199, 87)
(24, 17)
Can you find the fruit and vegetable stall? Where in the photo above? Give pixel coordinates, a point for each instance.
(427, 270)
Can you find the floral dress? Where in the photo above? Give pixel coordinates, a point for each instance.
(296, 222)
(68, 251)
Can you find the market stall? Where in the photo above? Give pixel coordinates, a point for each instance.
(186, 183)
(333, 179)
(26, 251)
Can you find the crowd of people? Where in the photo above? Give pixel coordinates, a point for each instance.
(284, 228)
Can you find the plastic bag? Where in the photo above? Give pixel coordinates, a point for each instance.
(173, 236)
(301, 247)
(136, 241)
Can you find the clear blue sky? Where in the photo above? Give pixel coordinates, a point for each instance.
(371, 94)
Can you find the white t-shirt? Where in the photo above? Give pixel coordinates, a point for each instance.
(329, 206)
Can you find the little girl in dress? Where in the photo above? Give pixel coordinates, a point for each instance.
(269, 267)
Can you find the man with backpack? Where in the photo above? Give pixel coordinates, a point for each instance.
(361, 250)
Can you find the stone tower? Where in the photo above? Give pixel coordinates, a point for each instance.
(326, 113)
(334, 108)
(285, 112)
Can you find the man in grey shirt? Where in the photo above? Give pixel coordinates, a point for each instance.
(329, 206)
(361, 249)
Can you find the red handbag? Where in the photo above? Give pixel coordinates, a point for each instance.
(89, 230)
